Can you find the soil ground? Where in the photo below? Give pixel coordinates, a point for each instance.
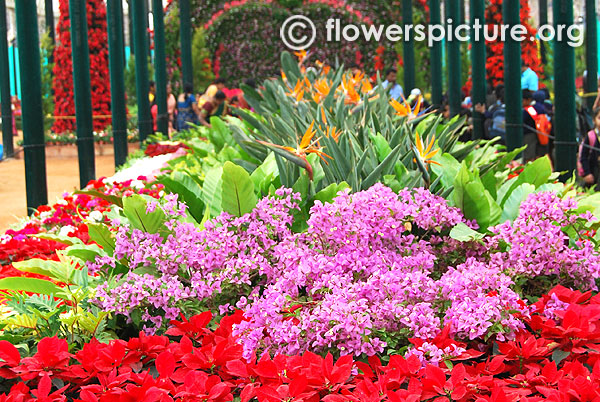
(62, 175)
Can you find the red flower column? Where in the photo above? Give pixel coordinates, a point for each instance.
(495, 49)
(63, 68)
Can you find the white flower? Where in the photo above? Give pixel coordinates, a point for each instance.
(45, 215)
(66, 230)
(137, 184)
(96, 216)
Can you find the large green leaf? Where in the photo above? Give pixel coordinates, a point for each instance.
(101, 234)
(33, 285)
(266, 171)
(328, 194)
(513, 202)
(536, 173)
(446, 170)
(85, 252)
(211, 191)
(238, 197)
(38, 266)
(68, 240)
(474, 200)
(189, 191)
(134, 209)
(219, 134)
(462, 232)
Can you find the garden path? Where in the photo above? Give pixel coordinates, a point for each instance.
(62, 173)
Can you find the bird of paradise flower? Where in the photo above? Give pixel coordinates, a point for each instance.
(307, 145)
(404, 109)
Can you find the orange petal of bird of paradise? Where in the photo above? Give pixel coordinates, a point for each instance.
(323, 116)
(401, 109)
(307, 137)
(366, 86)
(301, 55)
(426, 153)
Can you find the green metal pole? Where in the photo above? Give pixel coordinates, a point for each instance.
(478, 58)
(82, 90)
(454, 75)
(564, 92)
(409, 49)
(591, 51)
(435, 55)
(160, 67)
(33, 117)
(7, 123)
(185, 34)
(15, 71)
(114, 12)
(49, 10)
(140, 27)
(130, 24)
(512, 79)
(148, 40)
(543, 14)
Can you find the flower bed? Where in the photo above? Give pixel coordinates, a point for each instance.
(400, 265)
(559, 357)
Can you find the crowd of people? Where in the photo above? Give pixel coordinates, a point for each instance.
(189, 108)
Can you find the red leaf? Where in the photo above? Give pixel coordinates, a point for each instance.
(237, 368)
(165, 364)
(248, 393)
(298, 385)
(9, 353)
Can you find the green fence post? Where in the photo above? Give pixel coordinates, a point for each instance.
(543, 15)
(49, 11)
(543, 11)
(454, 74)
(591, 51)
(564, 92)
(478, 57)
(114, 13)
(160, 67)
(130, 24)
(435, 55)
(512, 78)
(409, 49)
(33, 117)
(140, 27)
(83, 92)
(185, 33)
(7, 123)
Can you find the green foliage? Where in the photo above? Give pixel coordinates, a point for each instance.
(28, 318)
(487, 195)
(238, 196)
(135, 209)
(189, 191)
(203, 74)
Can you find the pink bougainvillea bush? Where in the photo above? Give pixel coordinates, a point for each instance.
(372, 270)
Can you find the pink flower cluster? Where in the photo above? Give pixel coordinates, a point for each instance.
(537, 242)
(372, 266)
